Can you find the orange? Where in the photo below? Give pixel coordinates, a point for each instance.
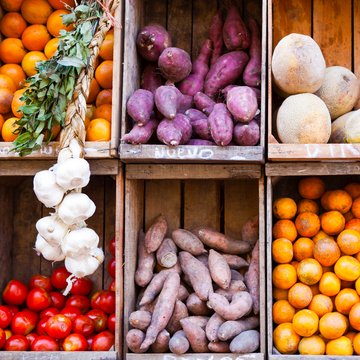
(12, 25)
(329, 284)
(15, 72)
(354, 317)
(355, 209)
(54, 23)
(98, 130)
(356, 343)
(61, 4)
(307, 205)
(30, 60)
(338, 200)
(312, 345)
(35, 37)
(347, 268)
(17, 103)
(311, 188)
(284, 208)
(103, 74)
(345, 300)
(7, 82)
(283, 276)
(104, 97)
(326, 252)
(104, 112)
(94, 91)
(285, 229)
(300, 295)
(55, 130)
(315, 289)
(36, 11)
(282, 312)
(351, 335)
(353, 224)
(282, 250)
(321, 235)
(332, 222)
(11, 5)
(349, 242)
(107, 47)
(280, 294)
(12, 51)
(348, 216)
(332, 325)
(305, 322)
(286, 340)
(309, 271)
(321, 305)
(307, 224)
(2, 120)
(340, 346)
(303, 248)
(8, 128)
(6, 96)
(357, 286)
(51, 47)
(353, 189)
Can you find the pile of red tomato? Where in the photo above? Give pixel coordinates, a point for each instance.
(38, 317)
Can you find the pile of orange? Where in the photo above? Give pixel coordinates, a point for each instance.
(29, 30)
(316, 274)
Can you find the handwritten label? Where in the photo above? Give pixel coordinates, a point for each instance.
(48, 150)
(191, 152)
(203, 357)
(332, 150)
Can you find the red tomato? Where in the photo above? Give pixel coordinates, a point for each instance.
(111, 268)
(58, 277)
(2, 338)
(16, 343)
(83, 325)
(103, 341)
(99, 318)
(57, 300)
(51, 311)
(58, 326)
(23, 322)
(111, 246)
(112, 286)
(15, 292)
(5, 316)
(41, 326)
(44, 343)
(8, 333)
(81, 286)
(79, 301)
(31, 337)
(70, 312)
(90, 340)
(38, 299)
(75, 342)
(13, 309)
(104, 300)
(111, 323)
(40, 281)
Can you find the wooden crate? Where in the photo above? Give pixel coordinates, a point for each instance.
(335, 26)
(19, 211)
(223, 197)
(188, 23)
(93, 149)
(282, 181)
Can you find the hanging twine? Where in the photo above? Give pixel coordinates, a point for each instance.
(74, 123)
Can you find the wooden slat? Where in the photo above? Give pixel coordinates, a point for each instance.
(356, 35)
(332, 30)
(59, 355)
(155, 12)
(253, 8)
(204, 356)
(202, 204)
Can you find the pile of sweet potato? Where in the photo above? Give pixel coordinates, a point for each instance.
(213, 101)
(204, 295)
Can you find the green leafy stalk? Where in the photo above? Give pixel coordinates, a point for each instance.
(51, 89)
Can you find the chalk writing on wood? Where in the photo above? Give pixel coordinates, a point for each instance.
(193, 152)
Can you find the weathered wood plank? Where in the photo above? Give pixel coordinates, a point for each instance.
(59, 355)
(155, 12)
(253, 8)
(204, 356)
(356, 37)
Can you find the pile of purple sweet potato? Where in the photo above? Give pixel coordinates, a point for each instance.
(213, 101)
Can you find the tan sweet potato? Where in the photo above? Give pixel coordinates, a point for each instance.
(179, 344)
(250, 231)
(134, 338)
(222, 242)
(204, 258)
(161, 344)
(154, 288)
(196, 336)
(155, 234)
(140, 319)
(197, 306)
(219, 269)
(180, 312)
(219, 347)
(252, 279)
(235, 275)
(240, 305)
(246, 342)
(183, 293)
(187, 241)
(235, 262)
(235, 286)
(230, 329)
(198, 274)
(148, 307)
(146, 263)
(198, 320)
(212, 327)
(166, 254)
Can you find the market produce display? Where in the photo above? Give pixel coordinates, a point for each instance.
(213, 100)
(316, 270)
(199, 291)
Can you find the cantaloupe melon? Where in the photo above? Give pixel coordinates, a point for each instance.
(339, 91)
(298, 65)
(303, 119)
(346, 128)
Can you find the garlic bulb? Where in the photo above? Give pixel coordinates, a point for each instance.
(73, 173)
(46, 189)
(79, 242)
(63, 155)
(76, 207)
(52, 229)
(49, 252)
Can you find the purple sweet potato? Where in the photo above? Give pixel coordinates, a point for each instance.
(221, 125)
(235, 33)
(167, 100)
(195, 114)
(151, 78)
(179, 344)
(258, 94)
(215, 35)
(141, 134)
(242, 103)
(226, 89)
(200, 142)
(180, 312)
(252, 279)
(175, 64)
(168, 133)
(155, 234)
(225, 71)
(204, 103)
(186, 102)
(213, 326)
(247, 134)
(134, 339)
(182, 122)
(151, 41)
(140, 106)
(201, 128)
(252, 72)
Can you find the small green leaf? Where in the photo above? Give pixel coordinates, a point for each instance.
(71, 61)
